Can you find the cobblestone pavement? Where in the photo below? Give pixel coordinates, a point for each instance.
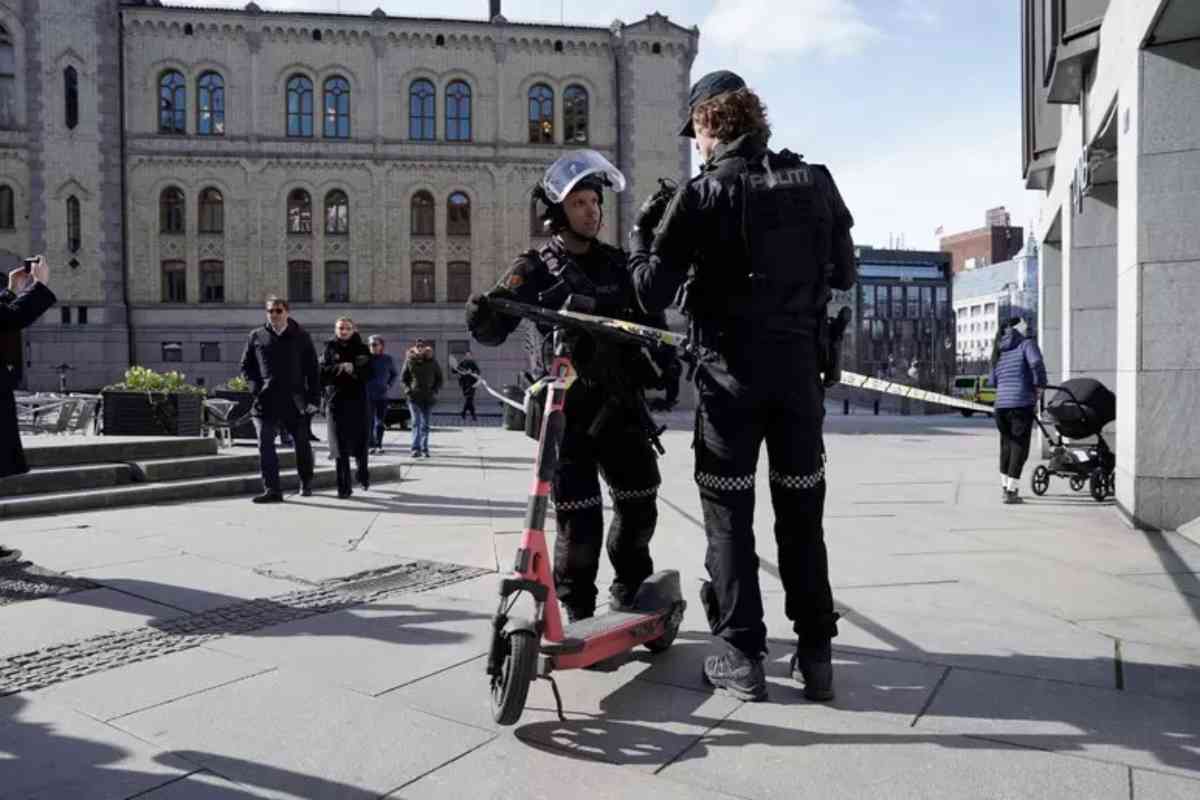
(24, 580)
(62, 662)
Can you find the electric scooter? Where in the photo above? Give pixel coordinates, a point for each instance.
(527, 647)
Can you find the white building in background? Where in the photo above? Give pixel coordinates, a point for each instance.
(987, 296)
(1111, 135)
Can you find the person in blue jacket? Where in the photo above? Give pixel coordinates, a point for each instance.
(1018, 373)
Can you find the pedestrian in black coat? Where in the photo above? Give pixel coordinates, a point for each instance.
(280, 364)
(26, 298)
(345, 370)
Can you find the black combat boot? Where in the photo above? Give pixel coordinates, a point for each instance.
(812, 665)
(738, 674)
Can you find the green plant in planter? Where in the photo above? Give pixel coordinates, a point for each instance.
(237, 384)
(143, 379)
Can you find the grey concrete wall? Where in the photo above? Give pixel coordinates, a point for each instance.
(1091, 294)
(1161, 294)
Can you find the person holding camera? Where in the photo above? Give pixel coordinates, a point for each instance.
(21, 304)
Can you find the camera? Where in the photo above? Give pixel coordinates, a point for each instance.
(27, 263)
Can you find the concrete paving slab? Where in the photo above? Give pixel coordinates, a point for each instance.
(1185, 583)
(112, 694)
(50, 751)
(1156, 786)
(768, 750)
(459, 544)
(1118, 727)
(41, 623)
(1161, 672)
(302, 739)
(1176, 632)
(372, 649)
(329, 564)
(508, 769)
(1113, 549)
(188, 582)
(251, 548)
(207, 786)
(82, 548)
(966, 626)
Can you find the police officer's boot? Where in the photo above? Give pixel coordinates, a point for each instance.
(812, 665)
(738, 674)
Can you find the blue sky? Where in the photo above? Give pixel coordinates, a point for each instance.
(914, 104)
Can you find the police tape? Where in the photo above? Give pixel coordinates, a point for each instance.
(458, 370)
(652, 336)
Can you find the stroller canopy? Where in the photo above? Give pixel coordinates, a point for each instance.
(1082, 408)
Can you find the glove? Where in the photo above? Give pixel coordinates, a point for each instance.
(311, 409)
(648, 217)
(672, 371)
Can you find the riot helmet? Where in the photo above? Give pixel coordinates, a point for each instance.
(577, 170)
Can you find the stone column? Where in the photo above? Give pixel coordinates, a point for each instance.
(1158, 391)
(1050, 316)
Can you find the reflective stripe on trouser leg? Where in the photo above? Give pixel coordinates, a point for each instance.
(798, 497)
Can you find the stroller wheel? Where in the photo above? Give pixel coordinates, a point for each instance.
(1077, 484)
(1098, 485)
(1040, 480)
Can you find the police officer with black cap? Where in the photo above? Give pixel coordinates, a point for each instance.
(605, 432)
(759, 238)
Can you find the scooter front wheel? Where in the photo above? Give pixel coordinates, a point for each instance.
(511, 687)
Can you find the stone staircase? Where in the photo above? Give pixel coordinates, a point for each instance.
(101, 473)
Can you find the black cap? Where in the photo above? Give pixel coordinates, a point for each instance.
(708, 87)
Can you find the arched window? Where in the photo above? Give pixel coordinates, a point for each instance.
(71, 97)
(8, 212)
(210, 105)
(337, 212)
(299, 212)
(300, 281)
(541, 114)
(458, 215)
(8, 81)
(73, 224)
(171, 205)
(172, 102)
(212, 281)
(422, 100)
(575, 115)
(337, 282)
(212, 211)
(458, 112)
(422, 214)
(299, 106)
(422, 282)
(337, 108)
(174, 282)
(458, 281)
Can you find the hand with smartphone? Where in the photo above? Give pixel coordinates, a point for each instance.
(32, 270)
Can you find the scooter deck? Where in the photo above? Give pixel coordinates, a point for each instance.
(577, 634)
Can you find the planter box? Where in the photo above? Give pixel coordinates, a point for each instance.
(243, 400)
(133, 414)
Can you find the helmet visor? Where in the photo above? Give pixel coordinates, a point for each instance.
(566, 173)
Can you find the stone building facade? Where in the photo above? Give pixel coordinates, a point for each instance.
(1111, 124)
(363, 166)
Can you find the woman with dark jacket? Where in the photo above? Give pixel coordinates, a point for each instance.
(1018, 373)
(345, 369)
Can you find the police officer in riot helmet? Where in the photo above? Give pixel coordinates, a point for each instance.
(756, 241)
(605, 411)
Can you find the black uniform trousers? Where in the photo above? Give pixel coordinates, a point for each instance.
(751, 391)
(629, 466)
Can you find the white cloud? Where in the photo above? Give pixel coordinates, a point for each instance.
(789, 27)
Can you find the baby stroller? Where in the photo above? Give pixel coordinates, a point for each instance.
(1080, 408)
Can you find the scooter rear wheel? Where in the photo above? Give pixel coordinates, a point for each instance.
(511, 687)
(668, 635)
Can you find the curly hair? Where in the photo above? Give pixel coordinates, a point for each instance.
(732, 114)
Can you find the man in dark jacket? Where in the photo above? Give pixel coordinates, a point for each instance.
(765, 236)
(26, 298)
(422, 377)
(280, 364)
(383, 375)
(467, 370)
(1018, 373)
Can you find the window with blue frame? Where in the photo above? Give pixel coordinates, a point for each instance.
(337, 108)
(422, 111)
(458, 112)
(300, 107)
